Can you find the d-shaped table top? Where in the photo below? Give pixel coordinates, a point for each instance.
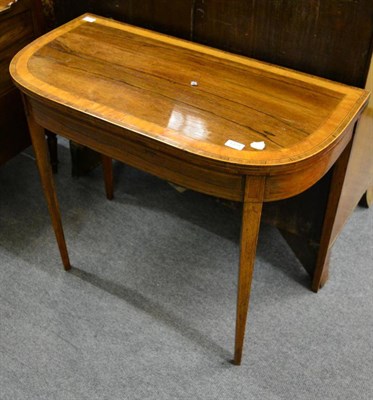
(204, 101)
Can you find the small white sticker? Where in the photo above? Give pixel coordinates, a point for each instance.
(89, 19)
(234, 145)
(193, 83)
(258, 145)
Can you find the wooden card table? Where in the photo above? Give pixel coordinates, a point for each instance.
(204, 119)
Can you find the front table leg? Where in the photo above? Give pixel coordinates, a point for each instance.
(252, 210)
(40, 148)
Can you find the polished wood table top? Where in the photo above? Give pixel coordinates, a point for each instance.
(208, 120)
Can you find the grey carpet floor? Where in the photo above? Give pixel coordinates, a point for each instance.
(148, 310)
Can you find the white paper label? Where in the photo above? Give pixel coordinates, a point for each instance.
(89, 19)
(234, 145)
(258, 145)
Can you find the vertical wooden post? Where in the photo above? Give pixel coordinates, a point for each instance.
(107, 166)
(252, 211)
(322, 264)
(40, 148)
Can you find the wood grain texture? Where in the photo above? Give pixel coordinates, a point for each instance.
(327, 38)
(141, 152)
(148, 75)
(130, 98)
(251, 216)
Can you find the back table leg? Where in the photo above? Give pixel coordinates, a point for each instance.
(45, 171)
(107, 166)
(252, 210)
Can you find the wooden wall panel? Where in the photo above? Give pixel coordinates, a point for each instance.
(327, 38)
(172, 17)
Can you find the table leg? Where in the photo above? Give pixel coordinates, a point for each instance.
(107, 166)
(40, 148)
(252, 210)
(53, 152)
